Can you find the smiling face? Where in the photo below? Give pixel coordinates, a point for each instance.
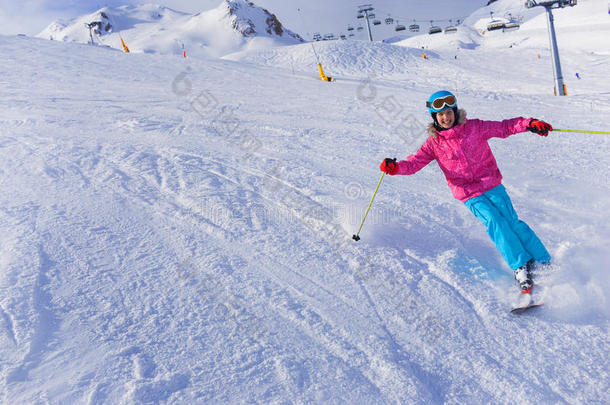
(446, 118)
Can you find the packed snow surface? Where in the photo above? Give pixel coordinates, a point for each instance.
(179, 230)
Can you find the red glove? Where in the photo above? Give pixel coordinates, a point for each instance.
(389, 166)
(539, 127)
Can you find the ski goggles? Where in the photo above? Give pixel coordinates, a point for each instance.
(439, 103)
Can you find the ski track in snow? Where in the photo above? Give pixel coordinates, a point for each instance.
(152, 253)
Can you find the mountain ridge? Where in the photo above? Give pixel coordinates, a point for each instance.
(230, 27)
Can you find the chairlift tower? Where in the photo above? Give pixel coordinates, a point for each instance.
(91, 27)
(363, 11)
(549, 5)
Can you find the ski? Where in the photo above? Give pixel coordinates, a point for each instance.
(522, 309)
(525, 303)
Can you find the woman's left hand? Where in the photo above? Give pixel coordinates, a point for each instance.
(539, 127)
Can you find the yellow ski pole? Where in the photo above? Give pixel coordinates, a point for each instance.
(356, 236)
(581, 131)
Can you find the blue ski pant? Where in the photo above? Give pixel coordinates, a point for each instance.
(517, 243)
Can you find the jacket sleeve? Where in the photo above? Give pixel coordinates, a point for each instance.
(503, 129)
(418, 161)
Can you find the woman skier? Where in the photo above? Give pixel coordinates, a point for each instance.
(460, 148)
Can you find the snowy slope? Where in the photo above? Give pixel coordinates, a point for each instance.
(178, 231)
(344, 58)
(583, 28)
(233, 25)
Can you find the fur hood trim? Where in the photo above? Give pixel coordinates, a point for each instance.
(460, 120)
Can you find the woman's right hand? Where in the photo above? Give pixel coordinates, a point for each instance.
(389, 166)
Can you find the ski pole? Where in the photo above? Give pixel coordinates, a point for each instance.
(581, 131)
(356, 236)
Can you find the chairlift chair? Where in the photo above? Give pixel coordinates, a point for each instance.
(495, 25)
(376, 22)
(414, 27)
(389, 21)
(400, 27)
(450, 29)
(434, 29)
(511, 26)
(350, 28)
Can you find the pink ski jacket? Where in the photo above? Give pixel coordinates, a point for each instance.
(464, 156)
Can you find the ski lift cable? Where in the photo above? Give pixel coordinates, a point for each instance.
(397, 17)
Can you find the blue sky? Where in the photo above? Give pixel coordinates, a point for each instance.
(32, 16)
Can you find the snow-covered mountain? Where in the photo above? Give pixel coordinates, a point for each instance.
(581, 31)
(178, 231)
(582, 28)
(232, 26)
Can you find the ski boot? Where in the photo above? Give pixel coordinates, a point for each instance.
(524, 278)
